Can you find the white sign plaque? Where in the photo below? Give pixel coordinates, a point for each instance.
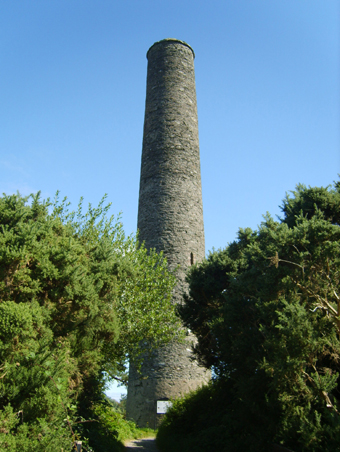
(163, 405)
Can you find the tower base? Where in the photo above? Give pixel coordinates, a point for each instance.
(170, 373)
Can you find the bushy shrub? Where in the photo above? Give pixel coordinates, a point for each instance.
(266, 313)
(72, 288)
(197, 422)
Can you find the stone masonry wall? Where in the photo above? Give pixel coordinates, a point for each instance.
(170, 214)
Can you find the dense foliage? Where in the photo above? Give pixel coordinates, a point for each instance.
(198, 422)
(76, 298)
(266, 311)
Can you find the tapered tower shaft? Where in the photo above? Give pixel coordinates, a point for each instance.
(170, 213)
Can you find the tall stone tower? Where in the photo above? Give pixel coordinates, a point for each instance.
(170, 214)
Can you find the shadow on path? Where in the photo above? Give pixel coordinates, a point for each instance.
(141, 445)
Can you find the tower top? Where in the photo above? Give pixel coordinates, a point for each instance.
(170, 40)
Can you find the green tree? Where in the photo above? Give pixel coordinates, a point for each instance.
(76, 298)
(266, 311)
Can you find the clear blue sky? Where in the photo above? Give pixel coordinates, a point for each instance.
(72, 94)
(72, 90)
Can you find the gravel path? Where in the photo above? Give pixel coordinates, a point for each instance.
(141, 445)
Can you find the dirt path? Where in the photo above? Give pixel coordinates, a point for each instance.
(141, 445)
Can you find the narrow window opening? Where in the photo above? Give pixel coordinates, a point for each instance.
(191, 258)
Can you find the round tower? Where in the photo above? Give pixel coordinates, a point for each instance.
(170, 214)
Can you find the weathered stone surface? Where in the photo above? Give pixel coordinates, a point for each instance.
(170, 213)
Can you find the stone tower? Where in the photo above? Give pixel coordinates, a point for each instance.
(170, 214)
